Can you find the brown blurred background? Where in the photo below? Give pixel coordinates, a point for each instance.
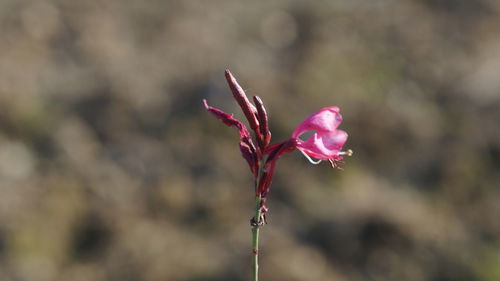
(110, 168)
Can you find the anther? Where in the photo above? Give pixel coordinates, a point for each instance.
(349, 152)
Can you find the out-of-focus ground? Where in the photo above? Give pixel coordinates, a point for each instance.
(110, 168)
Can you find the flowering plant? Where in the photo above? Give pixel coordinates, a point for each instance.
(325, 144)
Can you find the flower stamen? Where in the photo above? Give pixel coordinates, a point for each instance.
(310, 159)
(349, 152)
(335, 164)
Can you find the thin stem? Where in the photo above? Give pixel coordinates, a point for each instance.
(255, 240)
(257, 222)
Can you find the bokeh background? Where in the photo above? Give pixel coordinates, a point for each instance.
(110, 168)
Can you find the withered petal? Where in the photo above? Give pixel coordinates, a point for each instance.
(247, 148)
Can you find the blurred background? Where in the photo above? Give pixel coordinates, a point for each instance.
(110, 168)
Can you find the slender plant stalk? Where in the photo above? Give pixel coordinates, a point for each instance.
(255, 240)
(257, 223)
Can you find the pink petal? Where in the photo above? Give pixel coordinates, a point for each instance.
(324, 145)
(326, 119)
(326, 142)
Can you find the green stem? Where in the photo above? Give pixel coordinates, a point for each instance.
(257, 223)
(255, 240)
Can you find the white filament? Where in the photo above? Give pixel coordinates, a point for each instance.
(310, 159)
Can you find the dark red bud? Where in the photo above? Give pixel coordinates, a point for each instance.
(240, 96)
(265, 134)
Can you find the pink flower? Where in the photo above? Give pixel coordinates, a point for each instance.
(326, 142)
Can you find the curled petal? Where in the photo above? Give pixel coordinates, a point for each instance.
(326, 119)
(326, 142)
(228, 119)
(247, 148)
(324, 145)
